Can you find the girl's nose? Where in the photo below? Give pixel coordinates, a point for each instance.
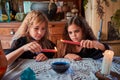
(73, 34)
(39, 32)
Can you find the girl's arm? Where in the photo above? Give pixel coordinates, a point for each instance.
(94, 44)
(32, 47)
(100, 46)
(11, 57)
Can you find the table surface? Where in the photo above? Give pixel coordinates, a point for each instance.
(84, 69)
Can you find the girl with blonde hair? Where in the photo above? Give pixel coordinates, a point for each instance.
(31, 38)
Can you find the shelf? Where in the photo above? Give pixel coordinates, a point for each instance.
(112, 42)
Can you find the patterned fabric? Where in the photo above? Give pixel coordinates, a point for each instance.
(84, 69)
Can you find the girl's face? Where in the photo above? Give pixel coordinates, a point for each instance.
(75, 33)
(37, 31)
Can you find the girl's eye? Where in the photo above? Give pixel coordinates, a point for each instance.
(43, 28)
(69, 32)
(77, 31)
(36, 28)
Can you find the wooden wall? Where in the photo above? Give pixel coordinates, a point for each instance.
(93, 18)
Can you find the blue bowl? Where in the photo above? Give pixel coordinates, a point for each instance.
(60, 67)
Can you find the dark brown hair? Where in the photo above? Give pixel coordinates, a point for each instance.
(86, 30)
(82, 23)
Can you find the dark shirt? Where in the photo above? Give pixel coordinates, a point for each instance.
(92, 53)
(22, 41)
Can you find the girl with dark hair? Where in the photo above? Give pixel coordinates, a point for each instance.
(78, 30)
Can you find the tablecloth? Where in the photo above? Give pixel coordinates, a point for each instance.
(84, 69)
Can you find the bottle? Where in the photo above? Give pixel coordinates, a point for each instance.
(4, 11)
(74, 11)
(3, 62)
(65, 9)
(52, 9)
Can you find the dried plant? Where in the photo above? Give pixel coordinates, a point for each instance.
(100, 7)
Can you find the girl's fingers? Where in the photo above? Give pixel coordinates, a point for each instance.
(86, 43)
(78, 58)
(33, 47)
(73, 57)
(36, 47)
(89, 44)
(41, 57)
(82, 43)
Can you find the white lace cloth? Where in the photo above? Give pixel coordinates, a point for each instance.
(79, 70)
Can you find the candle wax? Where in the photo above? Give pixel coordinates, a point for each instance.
(70, 42)
(49, 50)
(107, 60)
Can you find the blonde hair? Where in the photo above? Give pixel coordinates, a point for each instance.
(28, 22)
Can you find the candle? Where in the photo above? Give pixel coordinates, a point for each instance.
(49, 50)
(107, 60)
(70, 42)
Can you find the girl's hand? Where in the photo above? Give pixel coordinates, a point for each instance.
(41, 57)
(34, 47)
(86, 43)
(73, 57)
(92, 44)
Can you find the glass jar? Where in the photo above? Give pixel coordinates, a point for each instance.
(52, 9)
(3, 62)
(4, 11)
(74, 11)
(65, 9)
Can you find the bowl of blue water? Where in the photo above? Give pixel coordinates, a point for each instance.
(60, 67)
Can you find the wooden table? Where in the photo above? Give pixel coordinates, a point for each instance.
(84, 69)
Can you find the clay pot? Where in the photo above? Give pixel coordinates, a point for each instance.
(3, 62)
